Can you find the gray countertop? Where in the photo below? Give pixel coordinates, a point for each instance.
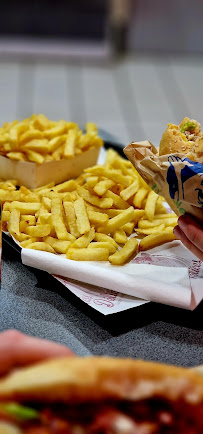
(35, 303)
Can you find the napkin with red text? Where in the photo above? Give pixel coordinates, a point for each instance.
(167, 274)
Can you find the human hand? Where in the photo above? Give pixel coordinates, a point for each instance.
(17, 349)
(191, 234)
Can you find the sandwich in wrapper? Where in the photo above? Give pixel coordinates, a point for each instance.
(186, 138)
(175, 171)
(95, 395)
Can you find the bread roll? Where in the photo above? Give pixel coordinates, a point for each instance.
(185, 138)
(95, 395)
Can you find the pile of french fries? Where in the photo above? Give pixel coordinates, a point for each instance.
(99, 216)
(39, 140)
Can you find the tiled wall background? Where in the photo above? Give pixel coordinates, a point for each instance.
(133, 99)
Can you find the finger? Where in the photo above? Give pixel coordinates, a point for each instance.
(192, 230)
(187, 243)
(18, 349)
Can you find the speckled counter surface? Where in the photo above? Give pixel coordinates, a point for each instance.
(35, 303)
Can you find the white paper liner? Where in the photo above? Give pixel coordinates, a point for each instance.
(103, 300)
(168, 274)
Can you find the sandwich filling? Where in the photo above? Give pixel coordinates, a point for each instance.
(149, 416)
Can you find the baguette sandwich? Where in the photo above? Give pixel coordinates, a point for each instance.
(101, 395)
(175, 170)
(186, 138)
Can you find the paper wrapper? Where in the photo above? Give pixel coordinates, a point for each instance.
(168, 274)
(175, 177)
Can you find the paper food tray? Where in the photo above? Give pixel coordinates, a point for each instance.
(33, 175)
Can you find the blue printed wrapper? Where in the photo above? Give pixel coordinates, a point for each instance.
(175, 177)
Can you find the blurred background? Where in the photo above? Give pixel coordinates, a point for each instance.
(130, 66)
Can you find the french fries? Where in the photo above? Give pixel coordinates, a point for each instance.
(39, 139)
(58, 245)
(104, 237)
(154, 240)
(41, 245)
(84, 240)
(125, 253)
(71, 218)
(82, 220)
(23, 207)
(146, 224)
(103, 186)
(58, 220)
(120, 236)
(114, 175)
(5, 216)
(150, 205)
(153, 230)
(99, 254)
(13, 224)
(93, 199)
(104, 245)
(130, 191)
(37, 231)
(96, 217)
(140, 196)
(116, 222)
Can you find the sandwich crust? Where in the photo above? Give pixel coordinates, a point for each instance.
(185, 138)
(79, 380)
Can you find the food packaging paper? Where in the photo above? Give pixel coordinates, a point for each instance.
(33, 175)
(168, 274)
(175, 177)
(103, 300)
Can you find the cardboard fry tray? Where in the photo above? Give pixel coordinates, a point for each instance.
(33, 175)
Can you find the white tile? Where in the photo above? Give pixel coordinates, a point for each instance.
(9, 81)
(137, 134)
(76, 94)
(25, 91)
(189, 76)
(128, 103)
(102, 104)
(153, 132)
(150, 98)
(116, 130)
(51, 91)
